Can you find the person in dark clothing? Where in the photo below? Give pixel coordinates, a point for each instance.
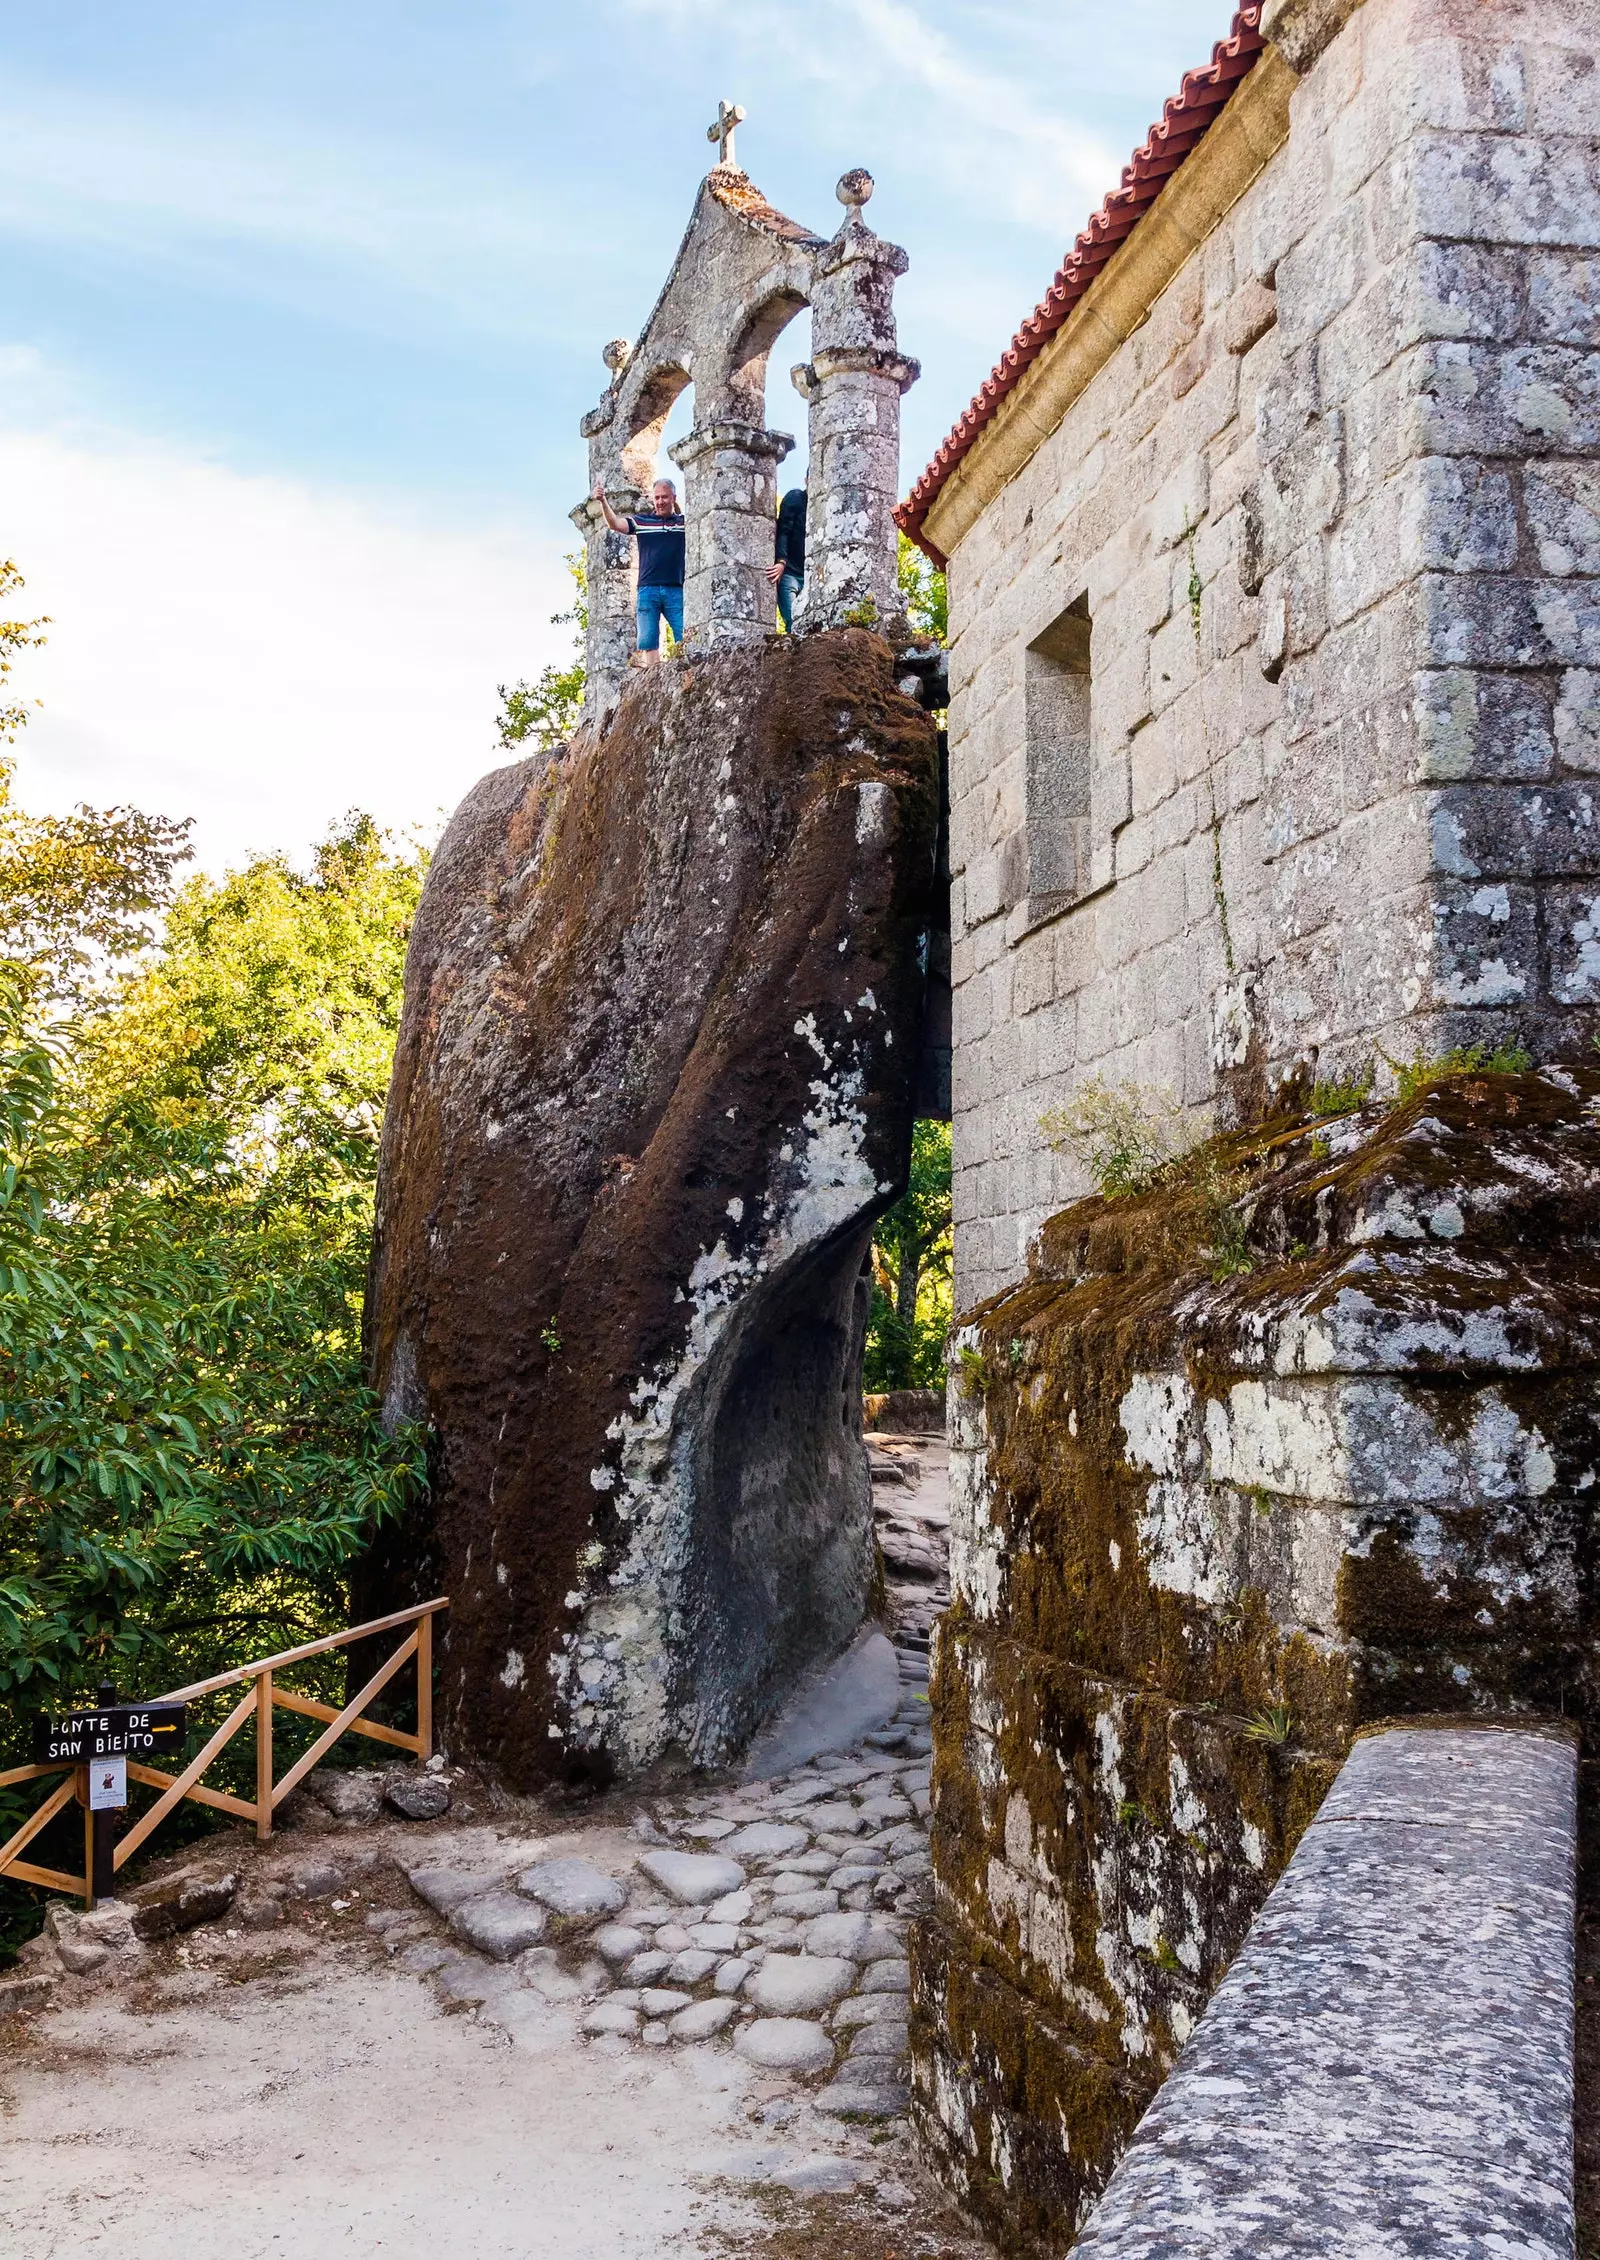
(787, 572)
(659, 534)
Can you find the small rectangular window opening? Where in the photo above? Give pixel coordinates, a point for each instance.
(1056, 685)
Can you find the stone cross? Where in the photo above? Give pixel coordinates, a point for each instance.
(729, 115)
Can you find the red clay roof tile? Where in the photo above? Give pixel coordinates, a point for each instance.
(1182, 126)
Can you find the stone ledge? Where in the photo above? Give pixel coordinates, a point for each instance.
(1302, 29)
(1389, 2062)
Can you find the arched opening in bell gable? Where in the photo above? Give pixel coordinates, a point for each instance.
(748, 357)
(663, 404)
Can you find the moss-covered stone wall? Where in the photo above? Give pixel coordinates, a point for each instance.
(1303, 1438)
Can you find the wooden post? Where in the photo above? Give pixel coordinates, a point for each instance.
(100, 1872)
(264, 1756)
(425, 1688)
(103, 1839)
(88, 1838)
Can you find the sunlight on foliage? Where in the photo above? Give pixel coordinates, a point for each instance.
(923, 592)
(1124, 1135)
(191, 1096)
(911, 1273)
(15, 636)
(79, 894)
(188, 1449)
(545, 714)
(1412, 1076)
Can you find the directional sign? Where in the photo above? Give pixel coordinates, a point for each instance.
(108, 1785)
(149, 1731)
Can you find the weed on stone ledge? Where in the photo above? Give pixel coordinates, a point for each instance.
(1346, 1097)
(1128, 1137)
(1452, 1066)
(969, 1364)
(1271, 1725)
(1133, 1141)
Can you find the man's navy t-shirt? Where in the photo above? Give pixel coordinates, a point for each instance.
(660, 549)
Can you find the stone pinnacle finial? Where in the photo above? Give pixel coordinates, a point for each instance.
(854, 190)
(617, 355)
(729, 115)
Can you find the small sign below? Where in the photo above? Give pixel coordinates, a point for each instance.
(149, 1731)
(108, 1785)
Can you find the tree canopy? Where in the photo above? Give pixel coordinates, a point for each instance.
(191, 1094)
(188, 1449)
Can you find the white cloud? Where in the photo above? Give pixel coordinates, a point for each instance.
(273, 207)
(919, 96)
(1029, 159)
(254, 652)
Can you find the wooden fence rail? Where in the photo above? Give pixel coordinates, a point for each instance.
(264, 1695)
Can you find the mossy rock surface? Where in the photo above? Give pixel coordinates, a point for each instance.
(1303, 1438)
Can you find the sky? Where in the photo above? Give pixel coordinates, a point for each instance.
(300, 305)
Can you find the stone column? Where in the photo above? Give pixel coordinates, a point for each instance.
(608, 557)
(853, 384)
(731, 477)
(609, 643)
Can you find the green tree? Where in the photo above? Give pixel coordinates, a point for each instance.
(270, 1013)
(547, 712)
(79, 894)
(911, 1265)
(191, 1093)
(923, 592)
(188, 1449)
(15, 636)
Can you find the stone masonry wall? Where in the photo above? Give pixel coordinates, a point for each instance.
(1383, 2069)
(1334, 515)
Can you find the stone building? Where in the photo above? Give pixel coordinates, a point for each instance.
(1272, 547)
(1273, 727)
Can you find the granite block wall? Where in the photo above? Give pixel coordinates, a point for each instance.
(1333, 513)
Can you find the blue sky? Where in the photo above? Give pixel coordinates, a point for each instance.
(300, 305)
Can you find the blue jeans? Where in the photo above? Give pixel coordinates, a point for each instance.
(789, 587)
(656, 604)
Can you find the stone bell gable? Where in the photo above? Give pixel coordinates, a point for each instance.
(742, 274)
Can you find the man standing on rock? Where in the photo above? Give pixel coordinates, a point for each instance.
(659, 534)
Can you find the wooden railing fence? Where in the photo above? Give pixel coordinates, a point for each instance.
(263, 1697)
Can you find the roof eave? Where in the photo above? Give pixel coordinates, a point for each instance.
(1186, 121)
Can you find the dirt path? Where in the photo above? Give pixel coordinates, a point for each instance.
(381, 2067)
(335, 2110)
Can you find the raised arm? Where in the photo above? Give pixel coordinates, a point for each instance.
(617, 525)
